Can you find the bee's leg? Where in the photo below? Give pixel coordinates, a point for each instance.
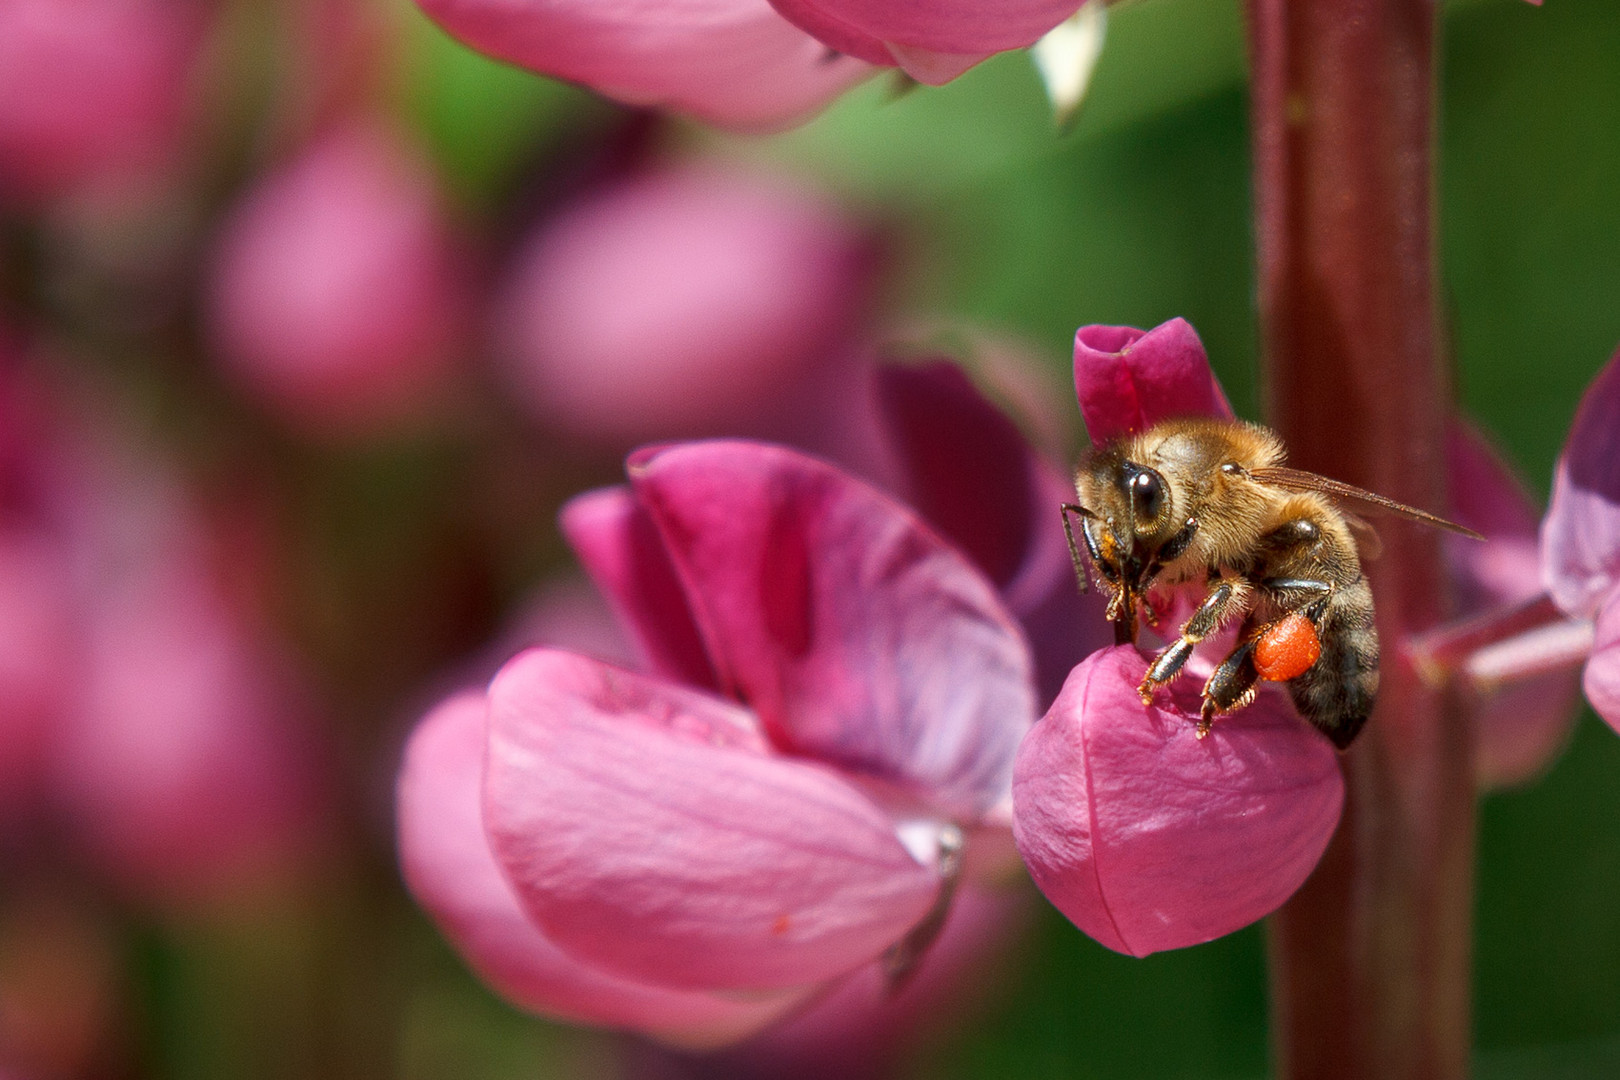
(1307, 596)
(1224, 595)
(1231, 686)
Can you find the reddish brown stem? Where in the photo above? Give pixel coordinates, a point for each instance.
(1370, 960)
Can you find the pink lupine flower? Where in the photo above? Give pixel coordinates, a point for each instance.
(337, 296)
(1521, 725)
(90, 89)
(1129, 379)
(1148, 837)
(686, 302)
(1580, 536)
(832, 697)
(735, 63)
(935, 40)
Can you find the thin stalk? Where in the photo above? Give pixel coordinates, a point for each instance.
(1370, 960)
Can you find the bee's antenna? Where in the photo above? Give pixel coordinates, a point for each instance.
(1074, 552)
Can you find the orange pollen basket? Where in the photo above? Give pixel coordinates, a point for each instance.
(1286, 649)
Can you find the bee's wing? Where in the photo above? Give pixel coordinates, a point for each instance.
(1300, 480)
(1369, 545)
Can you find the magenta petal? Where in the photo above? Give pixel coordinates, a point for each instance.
(856, 633)
(968, 468)
(968, 27)
(1129, 379)
(1580, 536)
(446, 858)
(1602, 679)
(621, 550)
(650, 830)
(733, 62)
(1150, 838)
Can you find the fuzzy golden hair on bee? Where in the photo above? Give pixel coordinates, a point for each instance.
(1209, 501)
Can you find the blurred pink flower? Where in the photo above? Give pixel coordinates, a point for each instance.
(91, 89)
(1148, 837)
(735, 63)
(1580, 536)
(834, 699)
(687, 302)
(933, 40)
(338, 295)
(1521, 725)
(170, 742)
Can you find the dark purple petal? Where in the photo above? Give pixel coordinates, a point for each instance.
(650, 831)
(967, 466)
(617, 544)
(1150, 838)
(1129, 379)
(1520, 727)
(447, 862)
(857, 634)
(1580, 537)
(974, 476)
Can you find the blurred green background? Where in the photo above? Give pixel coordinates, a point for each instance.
(1141, 213)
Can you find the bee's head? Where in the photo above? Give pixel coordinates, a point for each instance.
(1129, 517)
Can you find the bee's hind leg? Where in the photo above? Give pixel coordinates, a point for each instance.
(1225, 595)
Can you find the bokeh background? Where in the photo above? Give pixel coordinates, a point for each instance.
(385, 552)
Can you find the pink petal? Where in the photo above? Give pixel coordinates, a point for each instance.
(337, 292)
(621, 550)
(1129, 379)
(858, 635)
(651, 832)
(91, 89)
(1520, 728)
(686, 302)
(1602, 679)
(1150, 838)
(967, 27)
(972, 474)
(732, 62)
(1580, 536)
(863, 1028)
(447, 862)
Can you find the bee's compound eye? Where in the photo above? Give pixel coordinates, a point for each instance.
(1147, 492)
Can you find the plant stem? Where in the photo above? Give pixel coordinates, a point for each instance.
(1370, 960)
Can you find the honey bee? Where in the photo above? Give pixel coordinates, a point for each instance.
(1204, 499)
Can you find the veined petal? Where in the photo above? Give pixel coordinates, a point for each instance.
(447, 862)
(650, 830)
(1150, 838)
(1129, 379)
(1580, 536)
(733, 62)
(621, 550)
(856, 633)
